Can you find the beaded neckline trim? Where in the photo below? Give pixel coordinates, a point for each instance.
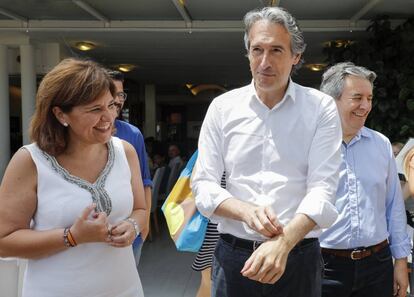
(99, 195)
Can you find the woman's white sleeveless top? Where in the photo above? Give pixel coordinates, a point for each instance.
(91, 269)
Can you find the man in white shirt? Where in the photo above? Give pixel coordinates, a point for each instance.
(279, 144)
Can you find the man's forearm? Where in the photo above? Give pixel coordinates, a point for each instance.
(233, 208)
(297, 229)
(400, 277)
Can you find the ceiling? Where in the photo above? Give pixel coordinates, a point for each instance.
(185, 41)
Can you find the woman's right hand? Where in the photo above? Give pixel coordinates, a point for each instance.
(86, 229)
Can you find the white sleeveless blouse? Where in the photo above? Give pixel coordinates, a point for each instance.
(91, 269)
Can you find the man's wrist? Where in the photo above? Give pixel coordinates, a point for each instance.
(401, 261)
(286, 241)
(296, 230)
(283, 242)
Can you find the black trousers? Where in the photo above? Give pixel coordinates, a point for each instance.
(368, 277)
(302, 277)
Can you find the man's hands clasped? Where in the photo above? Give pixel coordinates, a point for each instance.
(267, 263)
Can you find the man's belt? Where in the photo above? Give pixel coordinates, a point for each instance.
(253, 245)
(359, 253)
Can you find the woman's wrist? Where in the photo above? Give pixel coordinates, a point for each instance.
(134, 223)
(68, 238)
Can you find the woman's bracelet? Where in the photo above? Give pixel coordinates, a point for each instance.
(134, 224)
(68, 238)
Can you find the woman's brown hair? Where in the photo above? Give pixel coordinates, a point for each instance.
(71, 83)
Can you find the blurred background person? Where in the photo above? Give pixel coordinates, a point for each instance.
(204, 258)
(133, 135)
(174, 154)
(63, 204)
(407, 184)
(158, 160)
(408, 198)
(396, 148)
(409, 170)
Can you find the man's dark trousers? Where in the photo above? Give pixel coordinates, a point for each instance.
(368, 277)
(302, 277)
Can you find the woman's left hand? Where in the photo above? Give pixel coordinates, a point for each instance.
(122, 234)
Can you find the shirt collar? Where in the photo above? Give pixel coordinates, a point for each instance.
(363, 132)
(290, 93)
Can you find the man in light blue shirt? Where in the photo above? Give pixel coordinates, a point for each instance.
(371, 227)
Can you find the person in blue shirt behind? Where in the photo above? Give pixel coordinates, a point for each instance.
(371, 227)
(133, 135)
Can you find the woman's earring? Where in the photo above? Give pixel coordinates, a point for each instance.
(65, 124)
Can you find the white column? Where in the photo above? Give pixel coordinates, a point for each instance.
(4, 111)
(150, 111)
(28, 73)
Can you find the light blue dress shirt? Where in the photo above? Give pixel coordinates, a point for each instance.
(369, 200)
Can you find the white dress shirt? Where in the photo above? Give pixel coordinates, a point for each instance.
(287, 157)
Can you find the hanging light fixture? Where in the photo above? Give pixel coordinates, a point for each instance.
(85, 46)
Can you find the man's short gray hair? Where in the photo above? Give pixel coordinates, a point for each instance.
(279, 16)
(333, 79)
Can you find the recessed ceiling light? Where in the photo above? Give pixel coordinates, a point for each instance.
(195, 89)
(126, 67)
(316, 66)
(85, 46)
(338, 43)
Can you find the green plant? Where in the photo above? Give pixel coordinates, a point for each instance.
(390, 53)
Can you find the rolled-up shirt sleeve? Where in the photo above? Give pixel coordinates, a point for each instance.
(209, 167)
(323, 168)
